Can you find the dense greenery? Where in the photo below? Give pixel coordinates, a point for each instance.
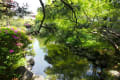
(81, 30)
(13, 43)
(82, 38)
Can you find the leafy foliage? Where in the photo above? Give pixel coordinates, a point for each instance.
(64, 63)
(12, 50)
(89, 29)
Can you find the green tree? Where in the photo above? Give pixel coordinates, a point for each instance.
(89, 29)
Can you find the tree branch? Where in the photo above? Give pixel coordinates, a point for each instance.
(42, 21)
(107, 36)
(87, 15)
(70, 7)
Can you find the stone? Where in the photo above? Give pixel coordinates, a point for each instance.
(35, 77)
(24, 72)
(31, 63)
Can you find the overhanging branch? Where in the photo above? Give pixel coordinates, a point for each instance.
(71, 8)
(110, 36)
(42, 21)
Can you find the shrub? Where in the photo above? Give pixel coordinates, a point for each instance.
(12, 49)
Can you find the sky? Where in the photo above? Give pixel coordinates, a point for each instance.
(33, 4)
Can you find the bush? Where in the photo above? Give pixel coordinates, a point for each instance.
(12, 49)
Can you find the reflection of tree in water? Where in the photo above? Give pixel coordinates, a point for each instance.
(66, 66)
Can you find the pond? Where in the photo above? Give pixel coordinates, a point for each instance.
(65, 66)
(40, 63)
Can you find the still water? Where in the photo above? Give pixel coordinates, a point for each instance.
(40, 63)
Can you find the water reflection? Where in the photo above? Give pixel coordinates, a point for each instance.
(40, 63)
(59, 63)
(65, 65)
